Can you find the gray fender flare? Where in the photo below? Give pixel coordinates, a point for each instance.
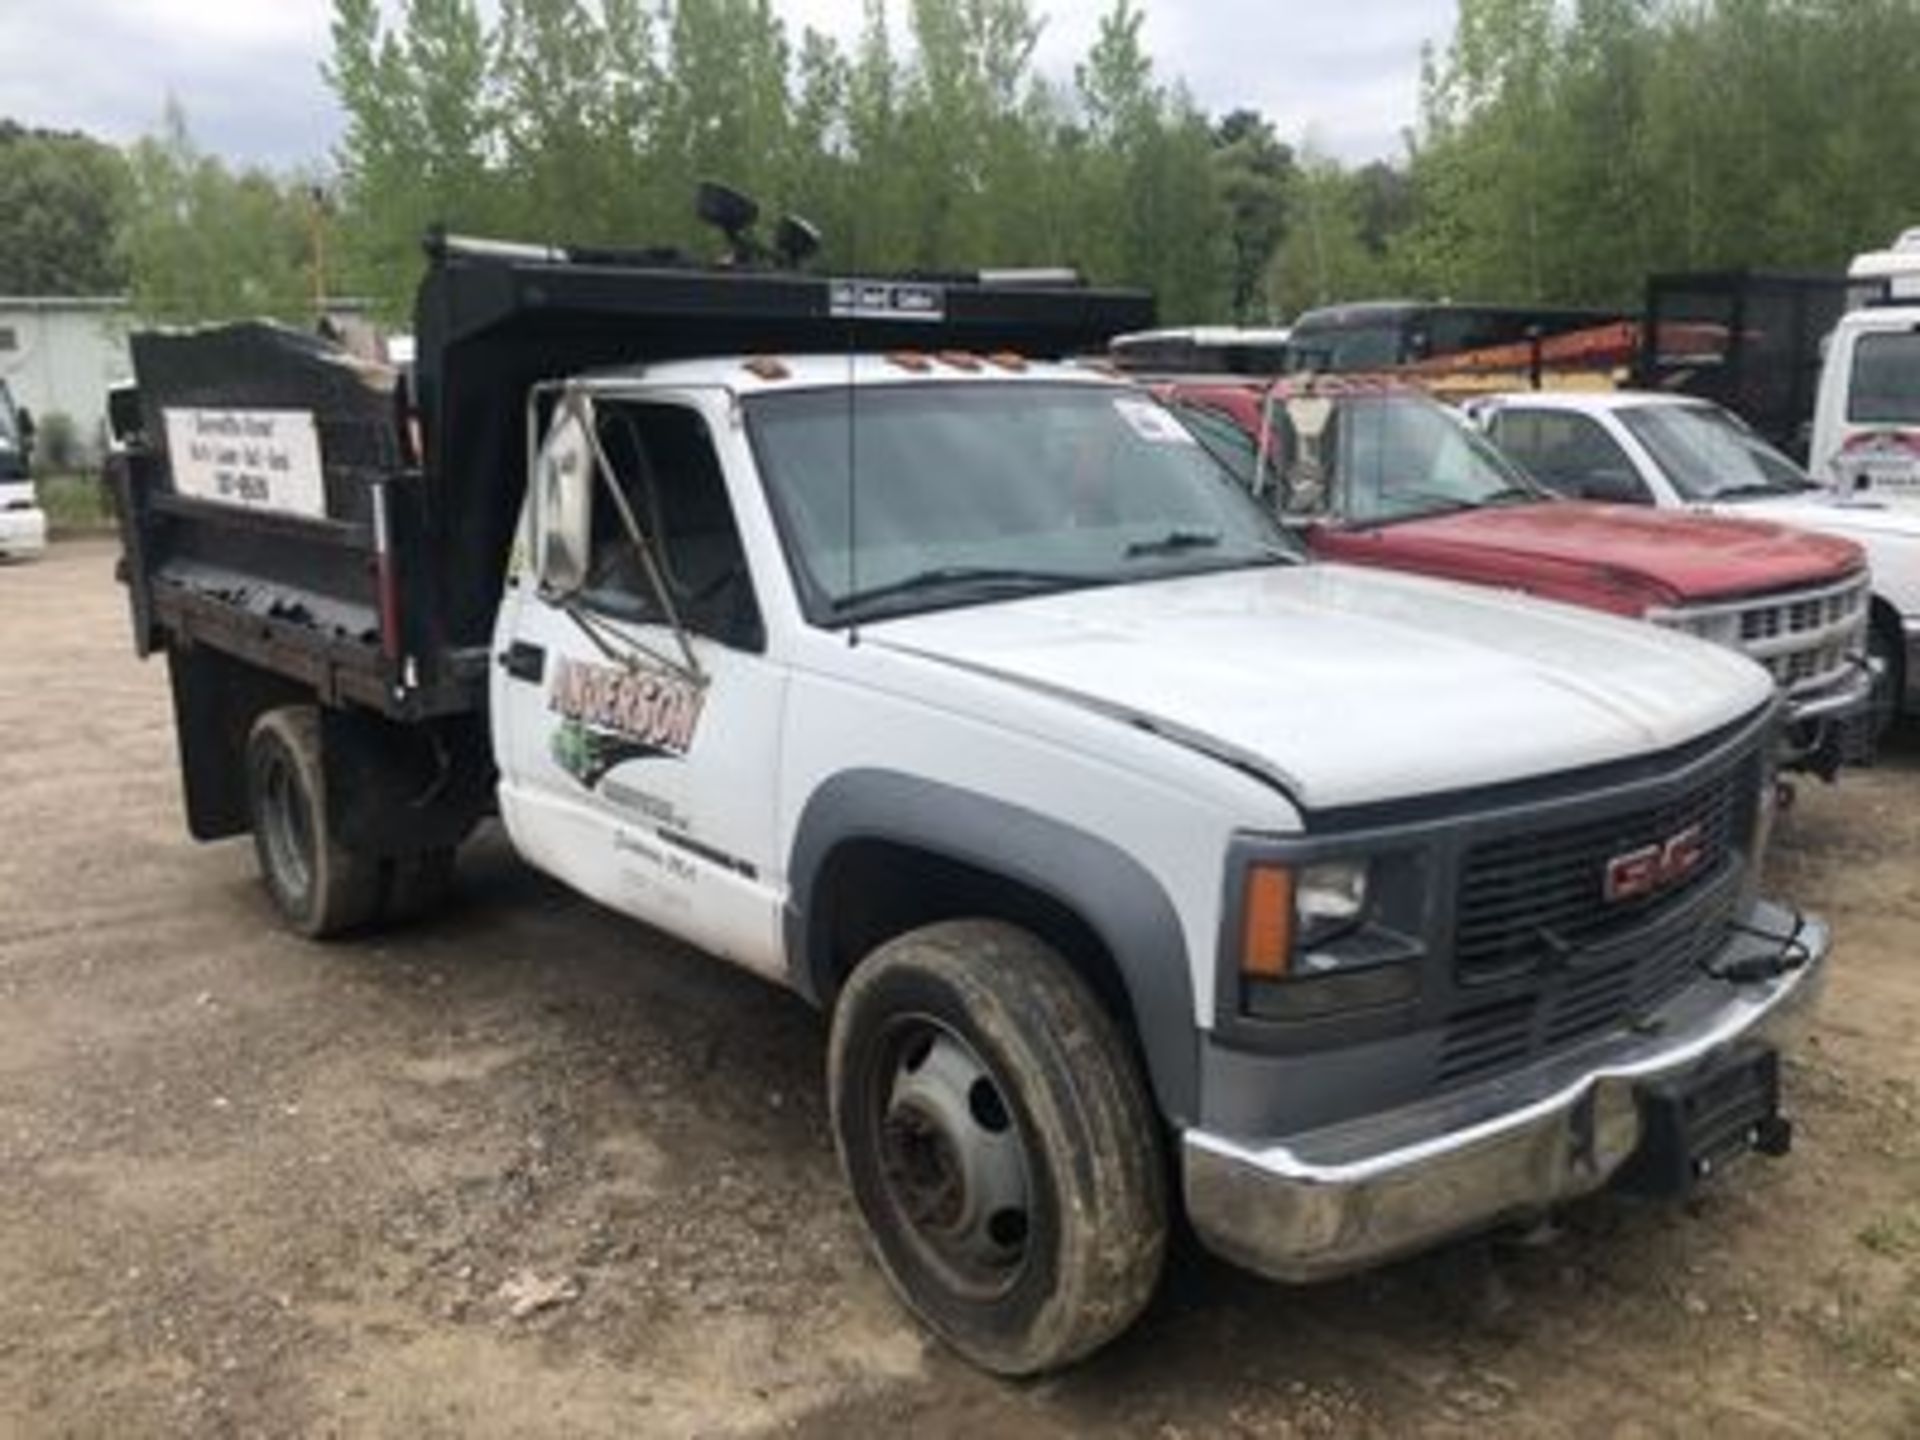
(1117, 897)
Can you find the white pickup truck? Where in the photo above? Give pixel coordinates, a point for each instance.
(1680, 453)
(1137, 861)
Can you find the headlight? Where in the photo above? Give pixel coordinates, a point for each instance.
(1329, 899)
(1329, 936)
(1288, 912)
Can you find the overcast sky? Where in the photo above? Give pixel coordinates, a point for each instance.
(247, 71)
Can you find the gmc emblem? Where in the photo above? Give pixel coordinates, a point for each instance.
(1657, 867)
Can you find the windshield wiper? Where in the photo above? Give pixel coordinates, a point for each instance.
(991, 578)
(1173, 542)
(1511, 495)
(1756, 489)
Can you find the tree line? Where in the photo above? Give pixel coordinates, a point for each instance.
(1561, 153)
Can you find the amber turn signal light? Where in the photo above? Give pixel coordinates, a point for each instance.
(1266, 935)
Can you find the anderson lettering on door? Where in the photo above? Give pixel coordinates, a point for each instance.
(261, 459)
(611, 715)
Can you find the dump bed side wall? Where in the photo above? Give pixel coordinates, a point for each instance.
(265, 502)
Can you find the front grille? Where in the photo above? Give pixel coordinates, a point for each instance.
(1501, 1034)
(1539, 896)
(1806, 639)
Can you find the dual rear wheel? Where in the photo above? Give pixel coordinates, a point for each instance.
(320, 886)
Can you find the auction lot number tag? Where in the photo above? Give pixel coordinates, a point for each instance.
(260, 459)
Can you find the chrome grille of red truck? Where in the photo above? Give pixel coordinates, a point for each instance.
(1807, 639)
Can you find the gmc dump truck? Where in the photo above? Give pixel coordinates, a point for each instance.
(1137, 862)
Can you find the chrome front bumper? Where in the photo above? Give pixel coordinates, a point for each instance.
(1841, 699)
(1353, 1195)
(22, 532)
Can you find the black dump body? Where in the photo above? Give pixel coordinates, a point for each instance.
(1748, 340)
(385, 601)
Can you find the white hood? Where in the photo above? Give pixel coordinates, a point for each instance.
(1886, 526)
(1354, 686)
(1877, 512)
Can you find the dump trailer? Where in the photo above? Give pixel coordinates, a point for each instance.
(833, 627)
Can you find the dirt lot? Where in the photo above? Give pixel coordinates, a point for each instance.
(251, 1186)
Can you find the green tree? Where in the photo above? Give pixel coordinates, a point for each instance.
(203, 242)
(940, 148)
(420, 129)
(1254, 170)
(1327, 254)
(62, 199)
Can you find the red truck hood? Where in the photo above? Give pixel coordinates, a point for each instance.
(1614, 557)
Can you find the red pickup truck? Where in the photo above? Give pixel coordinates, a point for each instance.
(1381, 474)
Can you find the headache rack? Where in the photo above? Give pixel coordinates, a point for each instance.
(345, 524)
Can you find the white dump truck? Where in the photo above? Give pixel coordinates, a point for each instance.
(1137, 862)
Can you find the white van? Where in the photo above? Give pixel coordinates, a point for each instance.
(23, 524)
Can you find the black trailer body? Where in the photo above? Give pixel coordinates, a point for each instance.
(300, 526)
(1747, 340)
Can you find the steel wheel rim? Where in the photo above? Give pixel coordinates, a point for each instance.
(952, 1160)
(288, 827)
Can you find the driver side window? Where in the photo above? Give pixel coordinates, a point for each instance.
(665, 465)
(1572, 454)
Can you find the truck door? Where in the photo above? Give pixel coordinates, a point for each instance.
(638, 712)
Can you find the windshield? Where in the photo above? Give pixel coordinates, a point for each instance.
(1399, 457)
(1709, 455)
(1886, 380)
(894, 498)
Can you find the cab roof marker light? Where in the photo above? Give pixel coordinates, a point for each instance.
(768, 367)
(911, 361)
(962, 360)
(1008, 360)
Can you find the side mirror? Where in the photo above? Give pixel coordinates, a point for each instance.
(563, 501)
(1304, 492)
(25, 417)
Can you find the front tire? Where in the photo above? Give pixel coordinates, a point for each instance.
(996, 1134)
(1884, 645)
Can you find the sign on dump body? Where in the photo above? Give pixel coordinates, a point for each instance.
(260, 459)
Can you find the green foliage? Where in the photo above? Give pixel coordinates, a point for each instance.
(1566, 151)
(202, 242)
(61, 202)
(591, 120)
(56, 441)
(1566, 148)
(1336, 247)
(1257, 178)
(74, 503)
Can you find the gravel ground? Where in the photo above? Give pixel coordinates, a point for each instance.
(528, 1169)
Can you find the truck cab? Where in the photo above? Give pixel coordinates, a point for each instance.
(832, 626)
(1866, 419)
